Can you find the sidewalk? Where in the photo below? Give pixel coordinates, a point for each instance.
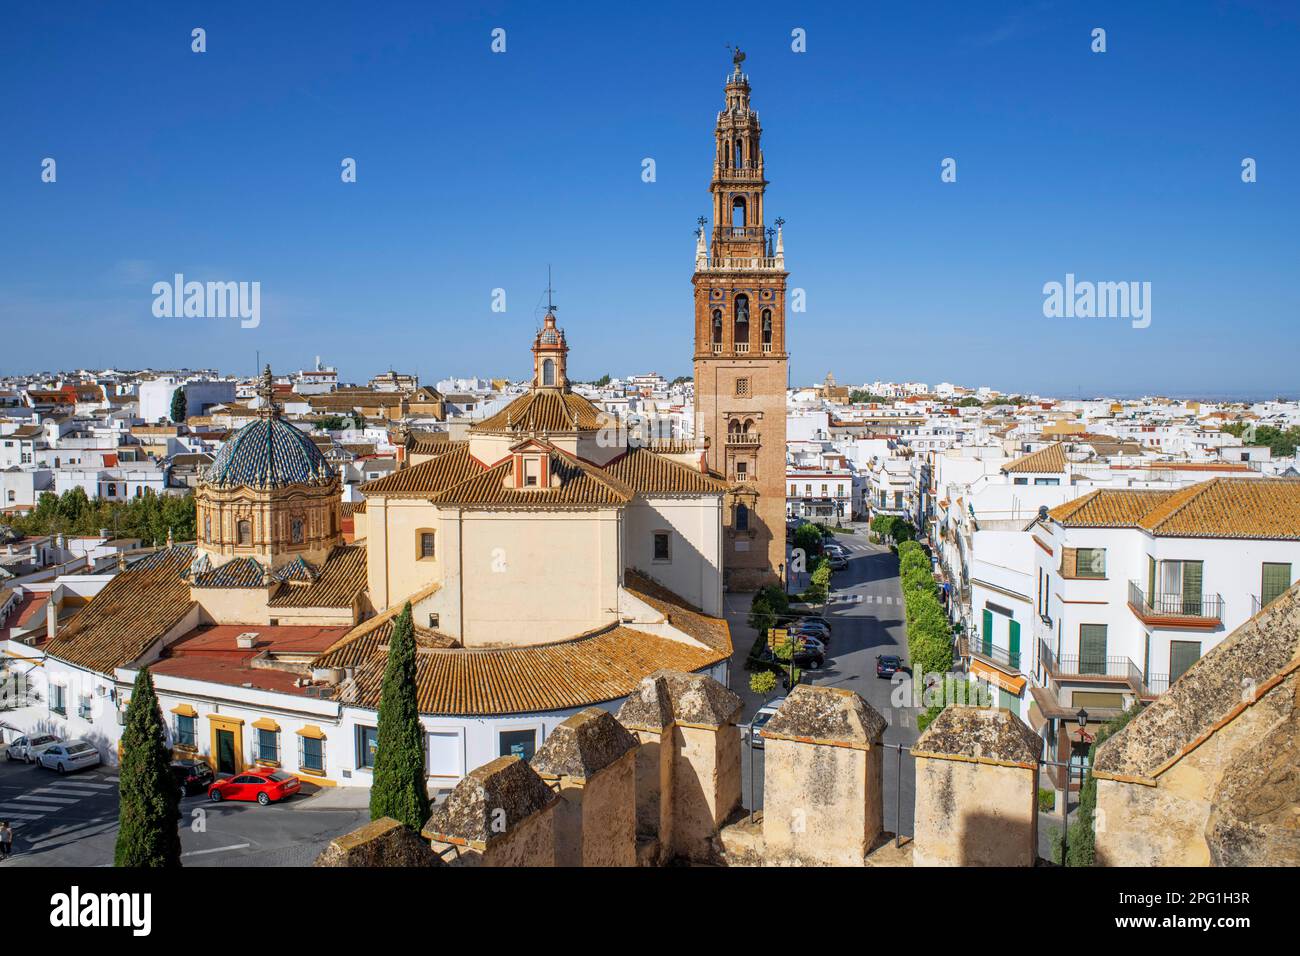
(334, 798)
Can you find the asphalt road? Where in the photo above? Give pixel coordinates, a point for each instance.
(865, 611)
(72, 821)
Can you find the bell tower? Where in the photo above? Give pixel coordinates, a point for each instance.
(740, 346)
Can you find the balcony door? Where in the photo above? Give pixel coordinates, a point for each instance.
(1092, 649)
(1182, 655)
(1180, 588)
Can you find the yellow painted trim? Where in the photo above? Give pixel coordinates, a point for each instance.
(309, 776)
(311, 730)
(184, 710)
(223, 719)
(266, 723)
(233, 725)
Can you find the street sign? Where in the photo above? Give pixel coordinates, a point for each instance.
(776, 637)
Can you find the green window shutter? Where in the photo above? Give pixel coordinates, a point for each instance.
(1182, 655)
(1151, 580)
(1092, 648)
(1276, 579)
(1192, 587)
(986, 632)
(1013, 644)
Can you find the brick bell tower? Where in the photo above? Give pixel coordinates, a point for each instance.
(740, 347)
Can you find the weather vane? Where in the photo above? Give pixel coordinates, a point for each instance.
(737, 55)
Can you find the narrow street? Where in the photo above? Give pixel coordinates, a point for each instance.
(865, 611)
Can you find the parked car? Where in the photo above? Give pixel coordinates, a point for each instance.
(29, 748)
(887, 665)
(816, 630)
(816, 621)
(754, 728)
(811, 642)
(834, 547)
(69, 755)
(263, 784)
(192, 776)
(837, 562)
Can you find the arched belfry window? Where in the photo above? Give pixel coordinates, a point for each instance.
(548, 372)
(717, 326)
(740, 154)
(738, 212)
(742, 518)
(244, 532)
(767, 326)
(742, 319)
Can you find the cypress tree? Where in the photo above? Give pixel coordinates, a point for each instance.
(148, 801)
(398, 789)
(178, 405)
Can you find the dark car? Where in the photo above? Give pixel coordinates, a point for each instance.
(192, 776)
(817, 621)
(887, 665)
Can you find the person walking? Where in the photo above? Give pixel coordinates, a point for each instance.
(6, 839)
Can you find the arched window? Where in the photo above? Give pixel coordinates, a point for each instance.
(742, 319)
(738, 212)
(767, 326)
(548, 372)
(740, 154)
(742, 518)
(244, 532)
(717, 326)
(734, 427)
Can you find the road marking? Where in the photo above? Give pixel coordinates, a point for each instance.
(85, 783)
(218, 849)
(11, 817)
(28, 796)
(72, 788)
(43, 807)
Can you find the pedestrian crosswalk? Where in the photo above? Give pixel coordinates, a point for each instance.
(26, 809)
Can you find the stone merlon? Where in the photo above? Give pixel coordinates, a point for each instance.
(583, 745)
(1257, 655)
(980, 734)
(469, 816)
(667, 697)
(826, 715)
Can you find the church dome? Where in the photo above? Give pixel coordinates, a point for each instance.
(269, 453)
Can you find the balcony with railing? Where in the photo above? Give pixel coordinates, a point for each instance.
(740, 232)
(745, 263)
(1096, 669)
(742, 438)
(999, 657)
(742, 348)
(1175, 610)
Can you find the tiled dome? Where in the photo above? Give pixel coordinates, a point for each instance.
(269, 453)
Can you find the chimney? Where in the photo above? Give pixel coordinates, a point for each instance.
(51, 619)
(247, 640)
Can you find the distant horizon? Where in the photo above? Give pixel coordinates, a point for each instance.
(1121, 171)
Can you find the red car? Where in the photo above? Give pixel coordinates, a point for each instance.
(263, 784)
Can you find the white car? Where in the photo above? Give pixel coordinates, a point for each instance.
(69, 755)
(30, 748)
(753, 730)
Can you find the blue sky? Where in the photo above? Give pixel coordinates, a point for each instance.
(476, 170)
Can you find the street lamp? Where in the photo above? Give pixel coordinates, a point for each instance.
(1081, 718)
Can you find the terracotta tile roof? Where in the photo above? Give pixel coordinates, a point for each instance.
(337, 583)
(713, 631)
(137, 607)
(452, 466)
(427, 443)
(1219, 508)
(580, 483)
(648, 472)
(1230, 508)
(587, 670)
(545, 410)
(1108, 508)
(1049, 460)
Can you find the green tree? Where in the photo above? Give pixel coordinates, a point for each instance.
(762, 683)
(808, 538)
(148, 799)
(178, 405)
(1082, 848)
(398, 789)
